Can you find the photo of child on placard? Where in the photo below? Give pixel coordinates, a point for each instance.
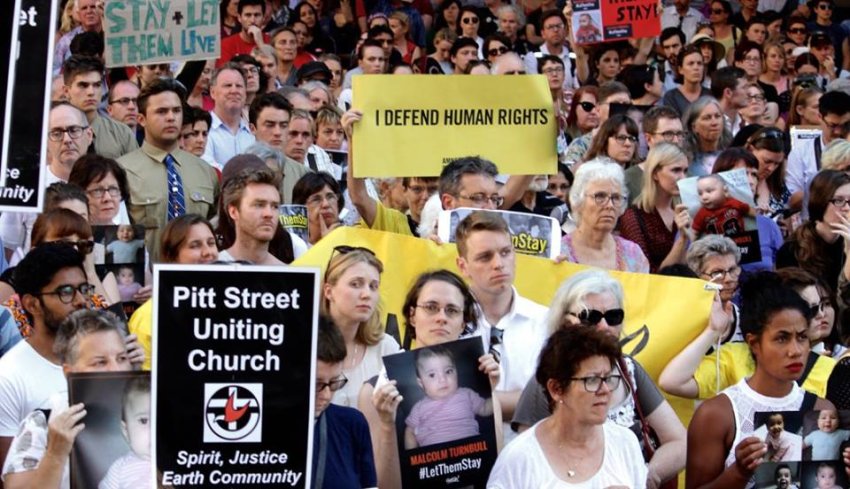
(588, 30)
(780, 432)
(778, 475)
(531, 234)
(823, 475)
(723, 203)
(824, 432)
(447, 402)
(113, 451)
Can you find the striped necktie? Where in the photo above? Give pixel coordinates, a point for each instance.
(176, 198)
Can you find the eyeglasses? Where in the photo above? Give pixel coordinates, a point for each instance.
(553, 70)
(514, 72)
(481, 199)
(752, 59)
(671, 135)
(756, 98)
(99, 192)
(716, 275)
(602, 198)
(432, 309)
(334, 385)
(798, 30)
(497, 51)
(84, 246)
(74, 132)
(469, 20)
(840, 201)
(554, 27)
(592, 317)
(593, 383)
(125, 101)
(587, 106)
(623, 138)
(418, 189)
(66, 293)
(330, 197)
(824, 6)
(251, 69)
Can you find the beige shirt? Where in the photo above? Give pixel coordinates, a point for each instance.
(292, 172)
(112, 139)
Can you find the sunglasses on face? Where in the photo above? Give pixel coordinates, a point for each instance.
(592, 317)
(587, 106)
(497, 51)
(84, 246)
(797, 30)
(469, 20)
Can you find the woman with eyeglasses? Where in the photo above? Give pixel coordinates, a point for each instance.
(467, 26)
(617, 138)
(105, 184)
(690, 75)
(438, 308)
(707, 134)
(592, 301)
(756, 109)
(658, 222)
(583, 116)
(321, 194)
(495, 45)
(820, 244)
(723, 448)
(598, 198)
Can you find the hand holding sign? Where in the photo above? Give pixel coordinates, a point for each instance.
(63, 429)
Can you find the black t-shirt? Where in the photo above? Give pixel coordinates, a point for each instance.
(544, 204)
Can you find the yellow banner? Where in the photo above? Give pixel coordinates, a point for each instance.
(663, 314)
(414, 125)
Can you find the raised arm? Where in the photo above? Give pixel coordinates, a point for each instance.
(366, 207)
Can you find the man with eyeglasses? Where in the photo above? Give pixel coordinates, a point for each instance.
(511, 326)
(51, 283)
(661, 124)
(417, 191)
(553, 31)
(729, 86)
(68, 138)
(123, 106)
(681, 16)
(83, 76)
(804, 161)
(250, 36)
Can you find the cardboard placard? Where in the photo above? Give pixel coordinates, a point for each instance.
(506, 119)
(234, 368)
(596, 21)
(140, 32)
(445, 424)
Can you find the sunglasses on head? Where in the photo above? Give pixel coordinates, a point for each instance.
(344, 250)
(592, 317)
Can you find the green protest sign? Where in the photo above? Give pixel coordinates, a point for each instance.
(140, 32)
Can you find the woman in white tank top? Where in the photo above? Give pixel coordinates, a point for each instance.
(722, 451)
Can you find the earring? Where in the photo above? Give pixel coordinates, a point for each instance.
(560, 401)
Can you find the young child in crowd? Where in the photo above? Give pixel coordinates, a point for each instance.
(125, 249)
(720, 213)
(133, 470)
(826, 440)
(447, 412)
(127, 285)
(826, 477)
(782, 446)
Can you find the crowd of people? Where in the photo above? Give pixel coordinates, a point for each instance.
(203, 153)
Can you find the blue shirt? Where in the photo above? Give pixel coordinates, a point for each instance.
(222, 144)
(770, 240)
(349, 462)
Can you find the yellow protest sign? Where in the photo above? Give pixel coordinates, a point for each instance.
(663, 314)
(415, 125)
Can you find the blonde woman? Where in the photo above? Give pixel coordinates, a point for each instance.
(658, 222)
(836, 156)
(400, 25)
(350, 299)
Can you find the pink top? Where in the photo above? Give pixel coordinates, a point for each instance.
(630, 258)
(444, 420)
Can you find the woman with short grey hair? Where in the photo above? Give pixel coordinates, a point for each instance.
(598, 198)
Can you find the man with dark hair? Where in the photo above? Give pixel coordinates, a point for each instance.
(383, 38)
(229, 134)
(729, 86)
(252, 202)
(83, 76)
(461, 53)
(196, 128)
(553, 31)
(511, 326)
(90, 18)
(681, 16)
(123, 105)
(250, 36)
(166, 182)
(269, 121)
(823, 10)
(371, 60)
(805, 161)
(749, 9)
(672, 40)
(348, 444)
(661, 124)
(88, 44)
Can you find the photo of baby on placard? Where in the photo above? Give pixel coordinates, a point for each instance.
(781, 433)
(824, 432)
(778, 475)
(723, 203)
(823, 475)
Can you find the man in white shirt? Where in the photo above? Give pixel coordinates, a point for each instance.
(511, 326)
(672, 41)
(681, 15)
(552, 30)
(68, 137)
(729, 86)
(230, 134)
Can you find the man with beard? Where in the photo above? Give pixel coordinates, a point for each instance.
(672, 40)
(51, 283)
(192, 185)
(252, 202)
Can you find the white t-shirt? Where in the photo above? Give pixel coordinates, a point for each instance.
(27, 381)
(371, 365)
(523, 464)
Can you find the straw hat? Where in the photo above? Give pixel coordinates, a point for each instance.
(719, 49)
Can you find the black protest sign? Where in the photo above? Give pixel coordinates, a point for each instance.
(29, 45)
(234, 369)
(114, 448)
(445, 424)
